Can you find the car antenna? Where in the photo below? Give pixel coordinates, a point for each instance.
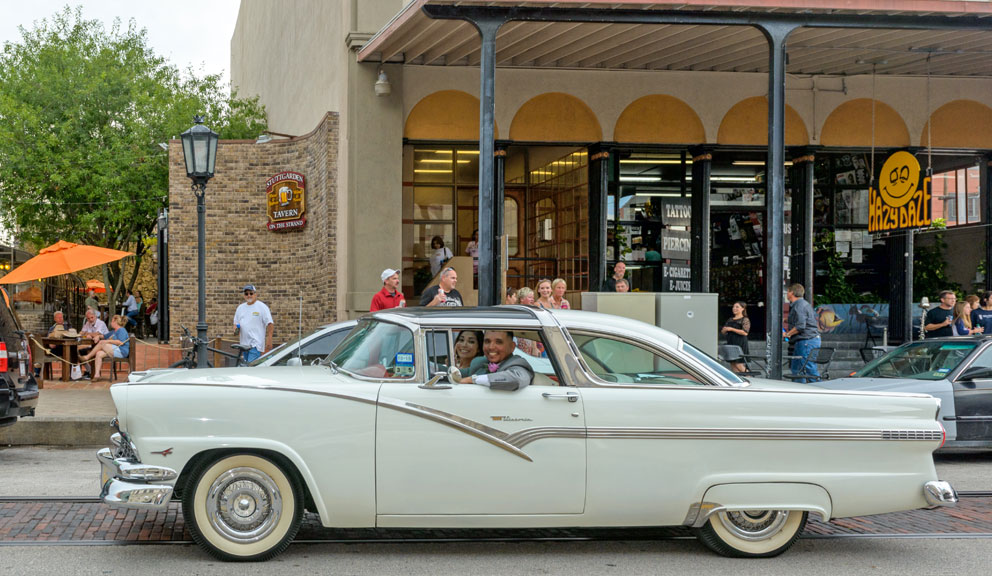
(299, 331)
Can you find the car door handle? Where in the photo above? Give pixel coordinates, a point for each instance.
(570, 396)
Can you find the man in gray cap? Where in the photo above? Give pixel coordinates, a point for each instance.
(390, 295)
(253, 321)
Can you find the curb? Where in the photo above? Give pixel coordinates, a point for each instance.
(34, 431)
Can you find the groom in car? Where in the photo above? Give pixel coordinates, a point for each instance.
(498, 368)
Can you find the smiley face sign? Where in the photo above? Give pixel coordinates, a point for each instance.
(899, 179)
(901, 201)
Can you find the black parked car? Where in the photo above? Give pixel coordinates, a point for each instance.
(18, 389)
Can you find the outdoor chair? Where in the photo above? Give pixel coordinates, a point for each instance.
(129, 360)
(732, 354)
(45, 361)
(819, 357)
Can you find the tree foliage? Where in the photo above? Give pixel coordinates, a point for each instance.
(82, 112)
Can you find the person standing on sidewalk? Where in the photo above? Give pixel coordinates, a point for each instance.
(803, 332)
(939, 319)
(390, 295)
(253, 321)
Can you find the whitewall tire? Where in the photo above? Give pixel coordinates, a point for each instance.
(243, 507)
(752, 533)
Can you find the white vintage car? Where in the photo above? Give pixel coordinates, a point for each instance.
(624, 424)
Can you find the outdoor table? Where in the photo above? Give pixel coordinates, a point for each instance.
(70, 348)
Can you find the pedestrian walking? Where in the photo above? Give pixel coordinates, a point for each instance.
(253, 324)
(803, 332)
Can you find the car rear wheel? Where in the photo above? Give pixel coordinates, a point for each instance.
(243, 507)
(752, 533)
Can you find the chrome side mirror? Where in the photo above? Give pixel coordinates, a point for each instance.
(432, 384)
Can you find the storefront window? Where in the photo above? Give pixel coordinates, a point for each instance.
(956, 196)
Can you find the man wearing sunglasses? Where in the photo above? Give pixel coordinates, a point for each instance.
(253, 322)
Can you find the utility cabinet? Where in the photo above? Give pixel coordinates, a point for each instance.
(691, 315)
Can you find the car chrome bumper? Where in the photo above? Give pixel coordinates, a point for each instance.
(940, 493)
(127, 483)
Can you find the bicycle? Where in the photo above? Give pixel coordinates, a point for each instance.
(189, 360)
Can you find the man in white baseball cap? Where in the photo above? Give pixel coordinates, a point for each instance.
(390, 295)
(253, 322)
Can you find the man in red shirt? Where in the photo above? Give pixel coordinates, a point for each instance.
(390, 295)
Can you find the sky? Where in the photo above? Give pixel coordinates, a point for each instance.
(193, 33)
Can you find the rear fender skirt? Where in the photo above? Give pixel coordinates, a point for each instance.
(760, 496)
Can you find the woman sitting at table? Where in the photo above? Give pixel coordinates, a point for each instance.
(115, 345)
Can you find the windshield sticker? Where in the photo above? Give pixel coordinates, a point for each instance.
(404, 359)
(943, 370)
(957, 346)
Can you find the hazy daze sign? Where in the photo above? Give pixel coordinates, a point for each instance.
(286, 196)
(902, 201)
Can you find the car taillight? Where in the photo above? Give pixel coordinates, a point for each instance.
(3, 356)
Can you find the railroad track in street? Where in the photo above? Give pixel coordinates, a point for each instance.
(74, 521)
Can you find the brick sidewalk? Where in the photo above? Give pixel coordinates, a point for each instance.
(59, 521)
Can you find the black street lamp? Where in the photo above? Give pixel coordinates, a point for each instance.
(200, 152)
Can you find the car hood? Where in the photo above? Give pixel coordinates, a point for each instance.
(766, 384)
(241, 376)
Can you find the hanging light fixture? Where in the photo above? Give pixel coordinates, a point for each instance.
(382, 85)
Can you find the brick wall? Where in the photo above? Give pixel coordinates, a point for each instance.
(239, 247)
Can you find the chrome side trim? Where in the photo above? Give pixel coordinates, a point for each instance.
(700, 512)
(491, 435)
(760, 434)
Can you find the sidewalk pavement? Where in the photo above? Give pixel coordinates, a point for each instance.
(78, 413)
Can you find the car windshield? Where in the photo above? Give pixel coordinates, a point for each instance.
(265, 357)
(376, 349)
(927, 360)
(710, 363)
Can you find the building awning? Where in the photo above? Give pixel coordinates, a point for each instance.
(413, 38)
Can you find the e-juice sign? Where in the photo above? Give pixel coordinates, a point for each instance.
(902, 200)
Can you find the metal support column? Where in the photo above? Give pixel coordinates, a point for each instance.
(162, 329)
(776, 33)
(487, 28)
(801, 262)
(499, 229)
(986, 200)
(699, 256)
(900, 251)
(599, 192)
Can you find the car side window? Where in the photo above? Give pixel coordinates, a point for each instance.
(623, 362)
(984, 359)
(316, 349)
(438, 353)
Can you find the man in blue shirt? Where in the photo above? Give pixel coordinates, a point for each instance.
(803, 332)
(982, 316)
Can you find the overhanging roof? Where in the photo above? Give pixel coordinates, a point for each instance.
(413, 38)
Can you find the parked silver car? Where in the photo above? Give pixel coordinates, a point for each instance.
(958, 371)
(313, 346)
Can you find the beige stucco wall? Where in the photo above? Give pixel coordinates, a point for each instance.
(710, 94)
(296, 56)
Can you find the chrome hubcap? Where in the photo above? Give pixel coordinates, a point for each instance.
(754, 524)
(244, 505)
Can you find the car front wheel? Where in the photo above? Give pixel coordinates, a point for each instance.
(243, 507)
(752, 533)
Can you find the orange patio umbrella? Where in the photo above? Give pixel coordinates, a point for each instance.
(96, 286)
(62, 258)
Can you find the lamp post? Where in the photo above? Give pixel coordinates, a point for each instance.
(200, 153)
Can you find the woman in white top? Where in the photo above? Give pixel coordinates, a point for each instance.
(558, 289)
(440, 255)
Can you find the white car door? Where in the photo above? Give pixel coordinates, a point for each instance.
(464, 449)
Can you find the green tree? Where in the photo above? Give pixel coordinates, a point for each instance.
(82, 112)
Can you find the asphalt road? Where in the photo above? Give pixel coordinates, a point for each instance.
(43, 471)
(48, 471)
